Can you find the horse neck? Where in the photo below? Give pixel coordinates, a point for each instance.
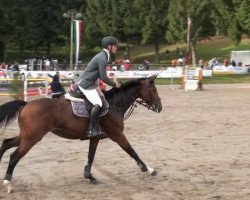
(124, 99)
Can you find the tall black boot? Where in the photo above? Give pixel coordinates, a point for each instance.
(93, 119)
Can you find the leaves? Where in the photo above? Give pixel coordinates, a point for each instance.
(39, 24)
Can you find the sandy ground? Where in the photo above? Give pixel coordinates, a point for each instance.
(199, 143)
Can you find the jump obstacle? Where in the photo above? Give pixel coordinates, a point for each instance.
(25, 91)
(191, 81)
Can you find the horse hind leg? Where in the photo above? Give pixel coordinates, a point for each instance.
(9, 143)
(15, 157)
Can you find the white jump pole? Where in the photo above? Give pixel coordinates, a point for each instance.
(172, 78)
(46, 87)
(25, 86)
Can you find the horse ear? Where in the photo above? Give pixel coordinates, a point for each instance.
(152, 78)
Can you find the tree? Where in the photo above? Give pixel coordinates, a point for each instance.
(130, 25)
(97, 21)
(111, 17)
(152, 15)
(242, 14)
(46, 22)
(200, 13)
(7, 25)
(22, 13)
(228, 12)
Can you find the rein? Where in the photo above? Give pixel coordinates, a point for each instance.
(143, 103)
(131, 109)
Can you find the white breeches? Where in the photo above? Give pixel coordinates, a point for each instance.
(92, 96)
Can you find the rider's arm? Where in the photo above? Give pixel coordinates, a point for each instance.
(103, 74)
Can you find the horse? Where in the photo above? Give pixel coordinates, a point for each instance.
(38, 117)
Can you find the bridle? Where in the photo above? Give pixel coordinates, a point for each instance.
(135, 103)
(143, 103)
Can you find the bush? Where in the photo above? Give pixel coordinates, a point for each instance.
(16, 87)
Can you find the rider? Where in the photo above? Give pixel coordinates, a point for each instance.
(96, 69)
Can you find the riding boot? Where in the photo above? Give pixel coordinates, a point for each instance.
(97, 126)
(93, 119)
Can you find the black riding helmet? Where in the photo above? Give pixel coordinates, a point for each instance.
(109, 40)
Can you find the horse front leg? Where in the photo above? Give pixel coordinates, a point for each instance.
(93, 143)
(124, 144)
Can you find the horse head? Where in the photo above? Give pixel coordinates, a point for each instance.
(149, 95)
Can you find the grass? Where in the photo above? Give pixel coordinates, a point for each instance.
(217, 47)
(215, 79)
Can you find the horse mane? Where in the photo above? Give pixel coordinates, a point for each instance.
(125, 86)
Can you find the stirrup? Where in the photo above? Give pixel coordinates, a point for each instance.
(93, 133)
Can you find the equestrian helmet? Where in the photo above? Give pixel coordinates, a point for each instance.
(109, 40)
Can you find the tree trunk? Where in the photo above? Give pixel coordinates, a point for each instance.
(157, 55)
(48, 48)
(2, 51)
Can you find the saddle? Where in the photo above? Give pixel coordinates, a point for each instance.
(81, 105)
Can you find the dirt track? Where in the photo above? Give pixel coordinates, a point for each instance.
(199, 143)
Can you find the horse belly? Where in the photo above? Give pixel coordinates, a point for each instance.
(74, 128)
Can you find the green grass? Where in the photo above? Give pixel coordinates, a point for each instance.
(216, 79)
(219, 47)
(216, 47)
(227, 79)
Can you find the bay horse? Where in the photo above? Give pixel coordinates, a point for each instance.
(38, 117)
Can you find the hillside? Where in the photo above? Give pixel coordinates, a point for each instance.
(219, 47)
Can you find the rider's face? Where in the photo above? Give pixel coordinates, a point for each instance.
(113, 49)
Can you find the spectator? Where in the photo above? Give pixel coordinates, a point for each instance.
(180, 62)
(56, 88)
(3, 66)
(125, 56)
(122, 67)
(127, 65)
(225, 62)
(16, 67)
(146, 64)
(174, 62)
(109, 68)
(200, 77)
(233, 63)
(47, 64)
(239, 63)
(201, 63)
(216, 62)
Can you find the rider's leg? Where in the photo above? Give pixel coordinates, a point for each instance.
(93, 120)
(94, 98)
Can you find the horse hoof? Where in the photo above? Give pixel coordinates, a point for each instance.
(94, 181)
(8, 185)
(90, 179)
(153, 173)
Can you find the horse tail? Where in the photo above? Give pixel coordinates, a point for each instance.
(9, 111)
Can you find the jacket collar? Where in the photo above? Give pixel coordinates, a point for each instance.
(108, 54)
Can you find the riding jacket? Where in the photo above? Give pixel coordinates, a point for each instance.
(56, 88)
(95, 69)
